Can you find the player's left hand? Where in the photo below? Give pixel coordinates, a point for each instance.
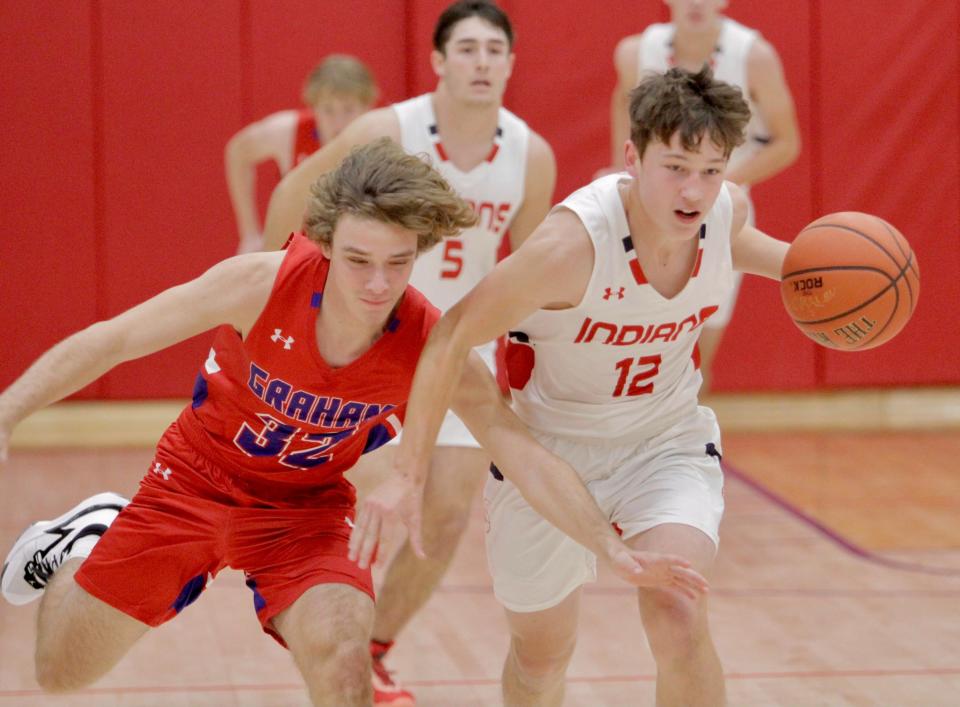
(399, 497)
(655, 570)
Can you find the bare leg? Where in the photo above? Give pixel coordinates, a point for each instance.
(328, 632)
(541, 645)
(79, 637)
(455, 475)
(689, 673)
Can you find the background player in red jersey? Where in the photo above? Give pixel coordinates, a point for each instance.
(507, 171)
(309, 369)
(339, 89)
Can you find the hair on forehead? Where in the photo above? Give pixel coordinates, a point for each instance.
(381, 182)
(465, 9)
(691, 105)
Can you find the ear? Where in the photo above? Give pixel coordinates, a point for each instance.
(510, 61)
(327, 250)
(631, 158)
(437, 61)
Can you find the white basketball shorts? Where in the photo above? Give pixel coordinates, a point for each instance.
(674, 477)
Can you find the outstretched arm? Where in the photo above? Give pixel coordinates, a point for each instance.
(752, 250)
(232, 292)
(551, 269)
(555, 490)
(548, 268)
(548, 483)
(289, 200)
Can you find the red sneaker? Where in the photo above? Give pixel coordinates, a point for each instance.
(386, 690)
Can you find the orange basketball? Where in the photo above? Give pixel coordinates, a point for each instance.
(850, 281)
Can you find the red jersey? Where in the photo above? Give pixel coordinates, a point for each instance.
(306, 137)
(271, 410)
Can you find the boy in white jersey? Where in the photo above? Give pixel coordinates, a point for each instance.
(604, 304)
(493, 160)
(699, 34)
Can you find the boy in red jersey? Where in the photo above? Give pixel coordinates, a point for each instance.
(310, 368)
(339, 89)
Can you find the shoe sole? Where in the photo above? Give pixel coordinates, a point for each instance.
(89, 505)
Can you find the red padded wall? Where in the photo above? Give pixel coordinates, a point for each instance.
(115, 116)
(289, 37)
(282, 41)
(761, 346)
(421, 17)
(890, 104)
(48, 253)
(564, 78)
(171, 84)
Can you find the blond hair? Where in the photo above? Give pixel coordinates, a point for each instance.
(380, 181)
(340, 75)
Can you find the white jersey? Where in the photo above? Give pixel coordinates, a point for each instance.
(494, 188)
(728, 62)
(621, 363)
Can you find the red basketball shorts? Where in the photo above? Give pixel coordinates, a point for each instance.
(188, 521)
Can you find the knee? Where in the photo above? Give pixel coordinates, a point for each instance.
(58, 670)
(347, 661)
(350, 666)
(675, 626)
(54, 677)
(443, 526)
(541, 664)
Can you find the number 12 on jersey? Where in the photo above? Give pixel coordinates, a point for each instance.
(643, 368)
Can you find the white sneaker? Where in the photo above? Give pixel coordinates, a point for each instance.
(47, 544)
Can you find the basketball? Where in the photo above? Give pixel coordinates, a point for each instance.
(850, 281)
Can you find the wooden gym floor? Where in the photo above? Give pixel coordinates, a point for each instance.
(837, 581)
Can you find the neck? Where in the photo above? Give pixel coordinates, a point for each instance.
(697, 45)
(458, 121)
(343, 339)
(644, 232)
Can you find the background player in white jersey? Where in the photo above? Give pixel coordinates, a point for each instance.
(492, 159)
(339, 89)
(604, 304)
(699, 34)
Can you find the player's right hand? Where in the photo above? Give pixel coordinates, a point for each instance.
(399, 497)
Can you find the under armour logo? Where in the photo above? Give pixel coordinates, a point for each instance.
(608, 292)
(287, 340)
(160, 470)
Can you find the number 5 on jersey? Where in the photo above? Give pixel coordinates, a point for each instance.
(452, 258)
